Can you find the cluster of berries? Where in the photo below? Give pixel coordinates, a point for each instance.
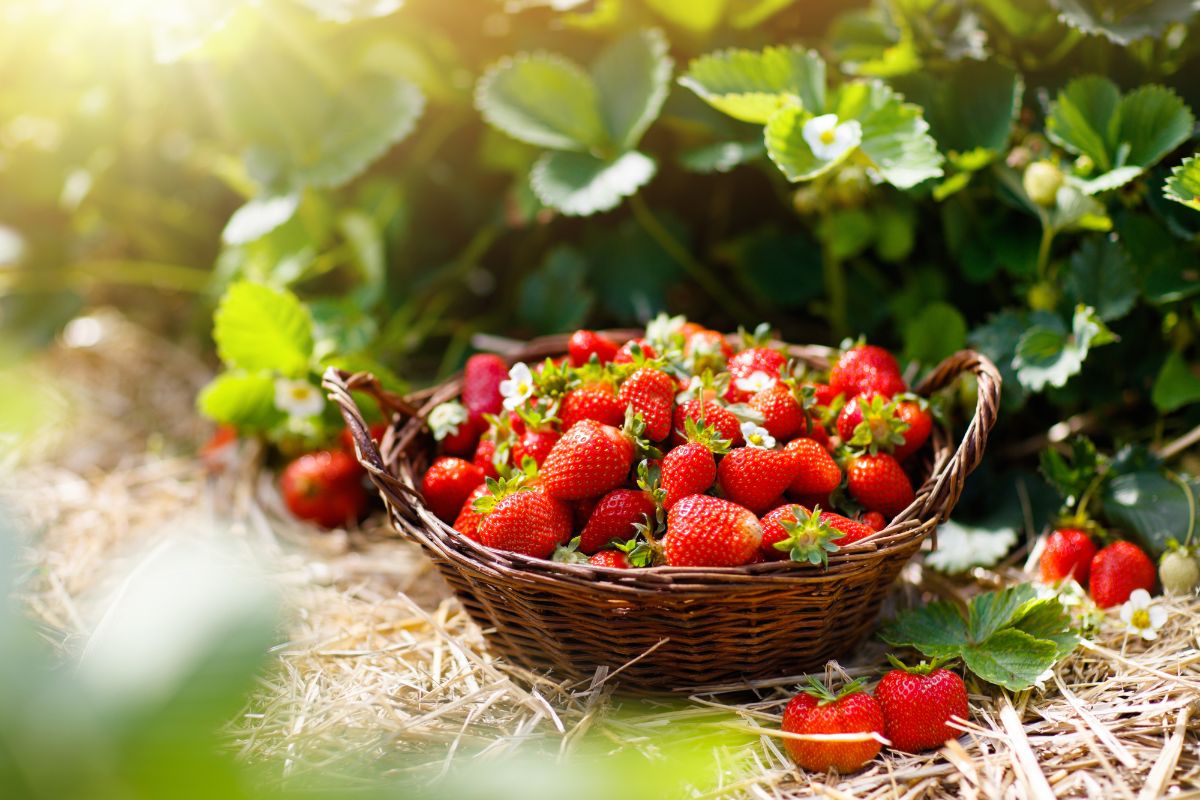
(676, 448)
(1110, 574)
(912, 708)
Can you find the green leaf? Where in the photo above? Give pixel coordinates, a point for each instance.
(1154, 121)
(245, 400)
(962, 547)
(1071, 477)
(1048, 619)
(1100, 275)
(722, 156)
(1121, 21)
(998, 340)
(697, 16)
(1150, 507)
(259, 328)
(1176, 385)
(894, 134)
(367, 251)
(579, 184)
(1083, 118)
(936, 629)
(1184, 184)
(1075, 210)
(633, 77)
(260, 216)
(555, 297)
(991, 611)
(543, 100)
(1012, 659)
(936, 332)
(846, 232)
(1049, 354)
(786, 146)
(971, 109)
(752, 86)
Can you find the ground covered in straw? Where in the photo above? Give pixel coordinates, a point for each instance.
(380, 671)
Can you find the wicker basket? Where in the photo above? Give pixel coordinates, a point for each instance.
(665, 628)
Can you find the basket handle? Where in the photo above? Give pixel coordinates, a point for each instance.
(949, 485)
(340, 383)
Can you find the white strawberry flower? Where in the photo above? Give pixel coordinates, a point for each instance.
(298, 399)
(1141, 616)
(830, 140)
(446, 418)
(519, 386)
(662, 329)
(755, 382)
(757, 436)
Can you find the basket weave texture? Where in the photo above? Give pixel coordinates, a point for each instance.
(665, 628)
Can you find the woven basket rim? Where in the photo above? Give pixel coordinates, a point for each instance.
(392, 467)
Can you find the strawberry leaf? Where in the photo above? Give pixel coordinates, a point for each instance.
(1012, 659)
(257, 327)
(241, 399)
(991, 611)
(633, 77)
(1184, 184)
(1122, 22)
(752, 86)
(579, 184)
(1176, 385)
(937, 630)
(1101, 275)
(1049, 354)
(543, 100)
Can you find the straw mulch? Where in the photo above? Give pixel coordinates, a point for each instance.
(382, 670)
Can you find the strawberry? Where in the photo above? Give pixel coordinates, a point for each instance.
(595, 401)
(325, 487)
(581, 511)
(707, 413)
(346, 439)
(816, 473)
(866, 369)
(584, 344)
(817, 711)
(614, 559)
(704, 348)
(468, 519)
(614, 518)
(917, 704)
(782, 415)
(522, 520)
(752, 371)
(879, 483)
(481, 385)
(447, 483)
(651, 393)
(691, 468)
(755, 477)
(220, 451)
(874, 520)
(792, 531)
(628, 352)
(870, 422)
(534, 443)
(823, 393)
(1068, 552)
(704, 531)
(590, 459)
(1117, 570)
(485, 457)
(920, 425)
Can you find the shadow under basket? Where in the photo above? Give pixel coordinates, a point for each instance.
(665, 628)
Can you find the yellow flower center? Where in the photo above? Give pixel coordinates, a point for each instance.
(523, 388)
(756, 438)
(1140, 619)
(828, 137)
(299, 393)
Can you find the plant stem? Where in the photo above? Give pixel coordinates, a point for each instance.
(701, 274)
(835, 287)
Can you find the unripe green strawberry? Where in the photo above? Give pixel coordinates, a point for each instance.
(1178, 571)
(1042, 180)
(917, 704)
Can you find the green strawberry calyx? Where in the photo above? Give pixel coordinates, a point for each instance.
(498, 490)
(569, 553)
(880, 428)
(923, 668)
(635, 428)
(825, 696)
(707, 435)
(809, 538)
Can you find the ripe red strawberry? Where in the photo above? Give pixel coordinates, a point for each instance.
(485, 454)
(581, 511)
(920, 425)
(220, 451)
(702, 346)
(883, 430)
(596, 401)
(817, 711)
(589, 460)
(709, 413)
(691, 468)
(651, 393)
(866, 369)
(584, 344)
(535, 444)
(447, 483)
(874, 520)
(755, 477)
(816, 473)
(481, 385)
(917, 703)
(626, 354)
(808, 536)
(1068, 552)
(614, 518)
(879, 483)
(823, 393)
(782, 416)
(468, 519)
(463, 440)
(613, 559)
(526, 521)
(1117, 570)
(744, 366)
(325, 487)
(704, 531)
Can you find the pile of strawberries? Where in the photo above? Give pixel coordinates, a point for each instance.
(676, 448)
(1111, 574)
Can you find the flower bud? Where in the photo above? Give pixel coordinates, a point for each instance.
(1041, 181)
